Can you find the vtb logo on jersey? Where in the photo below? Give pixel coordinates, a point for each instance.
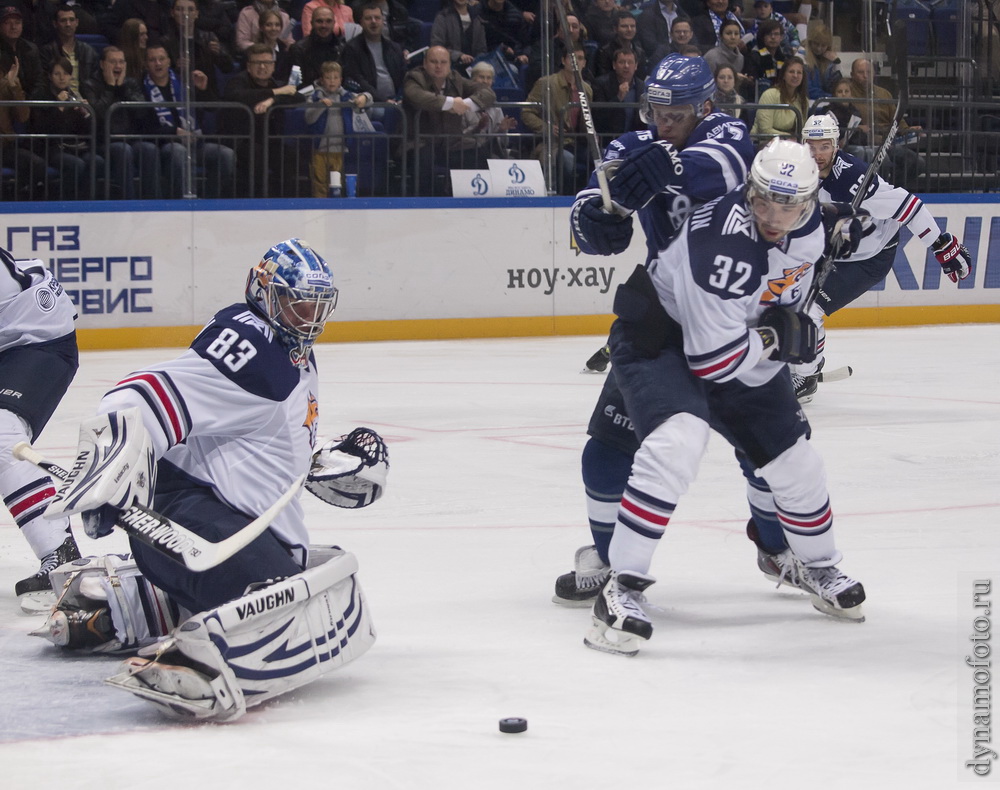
(311, 423)
(788, 283)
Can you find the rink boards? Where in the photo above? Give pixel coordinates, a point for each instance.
(413, 269)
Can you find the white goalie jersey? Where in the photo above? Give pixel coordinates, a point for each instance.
(234, 414)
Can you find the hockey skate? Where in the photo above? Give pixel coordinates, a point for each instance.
(78, 629)
(780, 568)
(35, 594)
(806, 386)
(833, 592)
(599, 362)
(619, 622)
(580, 586)
(177, 690)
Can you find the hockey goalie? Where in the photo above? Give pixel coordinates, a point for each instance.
(209, 441)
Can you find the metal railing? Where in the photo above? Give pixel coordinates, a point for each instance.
(244, 155)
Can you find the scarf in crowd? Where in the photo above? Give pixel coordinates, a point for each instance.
(722, 97)
(166, 114)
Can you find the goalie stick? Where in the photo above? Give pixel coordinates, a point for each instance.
(593, 141)
(168, 537)
(825, 264)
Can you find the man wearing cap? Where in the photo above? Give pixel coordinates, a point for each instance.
(29, 61)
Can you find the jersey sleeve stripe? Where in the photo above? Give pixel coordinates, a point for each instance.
(720, 363)
(164, 400)
(906, 211)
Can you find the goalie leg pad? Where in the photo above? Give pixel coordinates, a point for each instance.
(137, 613)
(272, 640)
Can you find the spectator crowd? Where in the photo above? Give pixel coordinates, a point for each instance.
(98, 93)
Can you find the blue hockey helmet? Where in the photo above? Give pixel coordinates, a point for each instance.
(677, 80)
(292, 287)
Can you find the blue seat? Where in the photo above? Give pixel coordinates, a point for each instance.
(96, 40)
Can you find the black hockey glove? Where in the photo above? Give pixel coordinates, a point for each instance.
(598, 232)
(953, 256)
(645, 173)
(100, 522)
(788, 336)
(845, 226)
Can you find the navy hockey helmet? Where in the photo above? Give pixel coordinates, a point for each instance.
(292, 287)
(677, 80)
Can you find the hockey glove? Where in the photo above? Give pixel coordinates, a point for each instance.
(99, 523)
(645, 173)
(350, 471)
(953, 256)
(598, 232)
(788, 336)
(845, 226)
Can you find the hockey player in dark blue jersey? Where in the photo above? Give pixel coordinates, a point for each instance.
(690, 155)
(701, 342)
(891, 208)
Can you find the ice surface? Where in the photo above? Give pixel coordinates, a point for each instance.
(742, 686)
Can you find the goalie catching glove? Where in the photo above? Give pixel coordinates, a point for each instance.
(350, 471)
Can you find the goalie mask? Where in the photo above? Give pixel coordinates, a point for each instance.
(292, 287)
(782, 188)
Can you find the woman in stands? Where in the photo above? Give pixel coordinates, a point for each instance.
(270, 26)
(789, 89)
(133, 44)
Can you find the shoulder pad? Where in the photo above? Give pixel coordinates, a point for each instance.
(243, 348)
(727, 257)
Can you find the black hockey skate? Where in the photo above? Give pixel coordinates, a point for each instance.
(580, 586)
(806, 386)
(619, 621)
(599, 362)
(35, 593)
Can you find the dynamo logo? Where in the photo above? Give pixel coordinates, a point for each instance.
(479, 185)
(516, 174)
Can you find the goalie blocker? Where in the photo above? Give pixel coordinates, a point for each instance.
(215, 664)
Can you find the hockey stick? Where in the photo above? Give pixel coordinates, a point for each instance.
(825, 264)
(593, 141)
(837, 374)
(168, 537)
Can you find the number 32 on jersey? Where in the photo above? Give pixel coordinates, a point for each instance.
(730, 276)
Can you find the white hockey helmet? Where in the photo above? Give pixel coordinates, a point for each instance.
(783, 175)
(821, 127)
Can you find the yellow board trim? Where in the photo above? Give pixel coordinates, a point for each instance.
(527, 326)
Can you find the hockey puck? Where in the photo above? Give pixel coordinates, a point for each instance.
(513, 725)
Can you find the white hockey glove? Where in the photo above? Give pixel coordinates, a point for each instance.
(114, 469)
(350, 471)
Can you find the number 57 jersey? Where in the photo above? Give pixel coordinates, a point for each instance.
(234, 414)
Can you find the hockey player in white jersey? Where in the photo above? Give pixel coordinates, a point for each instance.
(891, 208)
(38, 360)
(702, 339)
(210, 440)
(690, 154)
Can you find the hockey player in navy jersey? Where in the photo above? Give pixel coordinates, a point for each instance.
(211, 440)
(891, 209)
(38, 360)
(701, 342)
(690, 155)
